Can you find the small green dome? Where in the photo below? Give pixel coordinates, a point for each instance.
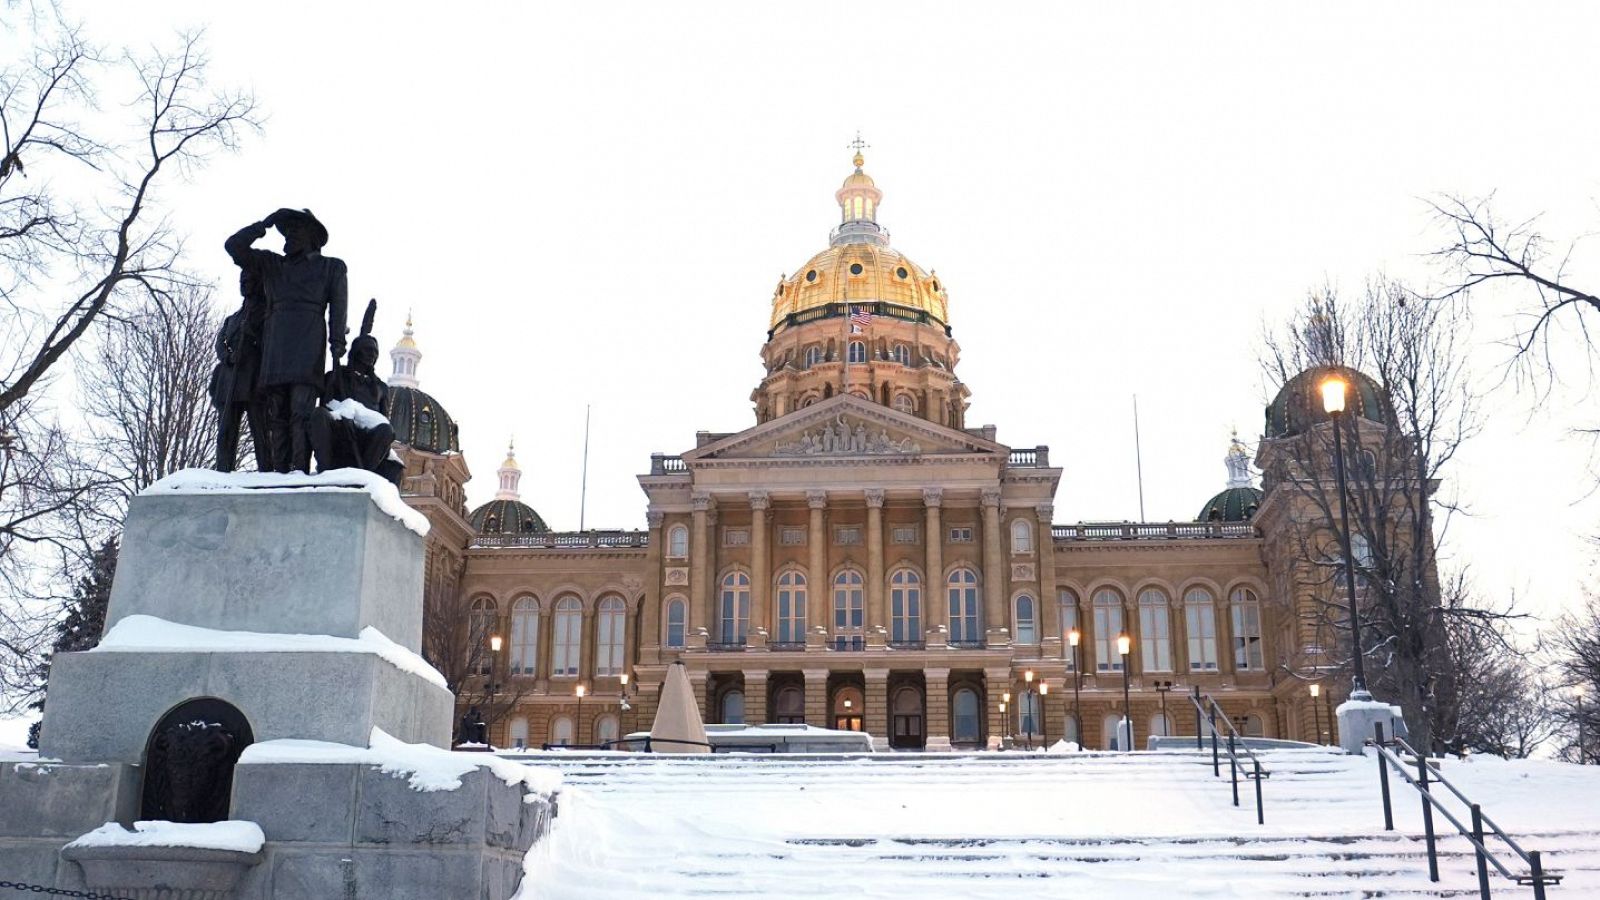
(1298, 405)
(421, 422)
(507, 517)
(1236, 504)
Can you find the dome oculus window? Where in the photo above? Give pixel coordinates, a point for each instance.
(811, 275)
(855, 268)
(901, 272)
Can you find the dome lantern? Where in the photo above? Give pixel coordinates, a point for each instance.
(405, 357)
(1238, 501)
(510, 475)
(858, 201)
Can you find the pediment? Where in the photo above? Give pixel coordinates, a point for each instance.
(845, 427)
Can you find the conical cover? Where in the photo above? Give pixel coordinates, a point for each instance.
(678, 716)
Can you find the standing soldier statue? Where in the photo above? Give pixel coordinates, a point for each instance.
(233, 382)
(306, 298)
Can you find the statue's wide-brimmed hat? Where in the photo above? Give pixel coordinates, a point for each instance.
(319, 232)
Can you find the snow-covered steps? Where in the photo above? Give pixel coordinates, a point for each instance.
(1035, 825)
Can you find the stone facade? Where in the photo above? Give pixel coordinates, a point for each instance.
(860, 558)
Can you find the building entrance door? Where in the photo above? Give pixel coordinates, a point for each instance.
(847, 709)
(905, 729)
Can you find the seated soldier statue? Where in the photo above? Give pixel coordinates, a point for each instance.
(351, 428)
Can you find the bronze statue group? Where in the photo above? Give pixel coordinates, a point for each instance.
(270, 365)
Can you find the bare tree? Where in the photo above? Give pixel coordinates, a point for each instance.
(1413, 348)
(1502, 703)
(1576, 649)
(456, 640)
(146, 389)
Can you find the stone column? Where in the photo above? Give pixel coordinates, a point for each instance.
(817, 577)
(699, 578)
(875, 718)
(760, 570)
(817, 698)
(1048, 613)
(877, 616)
(935, 605)
(994, 569)
(755, 697)
(996, 683)
(936, 705)
(649, 638)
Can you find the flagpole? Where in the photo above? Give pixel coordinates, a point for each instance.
(583, 493)
(1138, 456)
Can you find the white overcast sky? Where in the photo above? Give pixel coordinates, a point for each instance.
(590, 203)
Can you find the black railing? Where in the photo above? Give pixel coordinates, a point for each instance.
(649, 743)
(967, 645)
(908, 645)
(1152, 531)
(1428, 774)
(785, 646)
(1206, 712)
(725, 646)
(852, 643)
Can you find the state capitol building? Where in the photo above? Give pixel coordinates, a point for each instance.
(863, 558)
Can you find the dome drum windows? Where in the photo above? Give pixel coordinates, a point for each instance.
(857, 352)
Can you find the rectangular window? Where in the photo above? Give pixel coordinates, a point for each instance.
(792, 536)
(1201, 623)
(961, 534)
(904, 534)
(1155, 637)
(1107, 625)
(847, 535)
(735, 537)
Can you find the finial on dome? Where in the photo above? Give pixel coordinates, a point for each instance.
(858, 202)
(1238, 463)
(859, 145)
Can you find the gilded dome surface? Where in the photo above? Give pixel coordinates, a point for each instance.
(504, 516)
(1298, 405)
(860, 273)
(421, 421)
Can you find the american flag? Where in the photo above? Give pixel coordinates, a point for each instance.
(859, 318)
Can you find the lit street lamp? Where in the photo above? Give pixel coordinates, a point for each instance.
(1073, 637)
(1044, 733)
(1316, 714)
(577, 731)
(495, 643)
(1027, 707)
(1333, 401)
(624, 705)
(1125, 644)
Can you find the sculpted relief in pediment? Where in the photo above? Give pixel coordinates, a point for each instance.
(845, 436)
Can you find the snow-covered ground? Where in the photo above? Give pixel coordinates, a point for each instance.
(1143, 825)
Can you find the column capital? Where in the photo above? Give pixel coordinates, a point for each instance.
(655, 517)
(874, 498)
(702, 501)
(817, 499)
(760, 500)
(1046, 513)
(933, 497)
(991, 497)
(875, 674)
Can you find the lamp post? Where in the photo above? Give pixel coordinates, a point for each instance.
(1316, 714)
(1125, 644)
(1164, 688)
(1073, 637)
(1005, 703)
(624, 705)
(577, 730)
(495, 643)
(1333, 401)
(1027, 707)
(1044, 733)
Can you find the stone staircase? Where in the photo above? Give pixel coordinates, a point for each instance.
(1143, 825)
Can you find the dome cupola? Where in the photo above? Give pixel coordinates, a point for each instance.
(510, 475)
(1298, 406)
(419, 420)
(405, 357)
(1238, 501)
(506, 514)
(858, 207)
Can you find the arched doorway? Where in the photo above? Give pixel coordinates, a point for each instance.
(966, 718)
(848, 709)
(789, 706)
(905, 726)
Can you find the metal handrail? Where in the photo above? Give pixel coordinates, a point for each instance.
(1427, 773)
(1205, 716)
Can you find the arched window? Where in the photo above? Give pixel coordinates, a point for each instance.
(568, 637)
(1021, 536)
(1246, 611)
(963, 606)
(905, 403)
(1253, 726)
(1067, 601)
(905, 607)
(525, 637)
(1160, 725)
(561, 731)
(1027, 627)
(735, 618)
(606, 729)
(858, 352)
(518, 733)
(849, 594)
(1113, 731)
(1155, 631)
(610, 621)
(678, 542)
(676, 613)
(1200, 622)
(790, 706)
(791, 607)
(813, 356)
(902, 354)
(733, 708)
(480, 625)
(1107, 625)
(965, 724)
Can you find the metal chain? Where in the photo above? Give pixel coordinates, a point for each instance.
(57, 892)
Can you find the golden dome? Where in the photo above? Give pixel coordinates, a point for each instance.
(860, 273)
(406, 340)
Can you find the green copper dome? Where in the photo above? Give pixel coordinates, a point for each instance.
(1298, 405)
(507, 517)
(1236, 504)
(421, 422)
